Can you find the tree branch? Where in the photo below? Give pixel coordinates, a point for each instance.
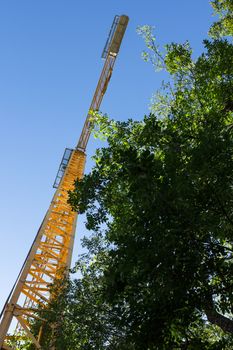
(216, 318)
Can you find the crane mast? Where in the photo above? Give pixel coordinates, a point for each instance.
(49, 257)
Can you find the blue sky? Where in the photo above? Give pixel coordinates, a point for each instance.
(49, 66)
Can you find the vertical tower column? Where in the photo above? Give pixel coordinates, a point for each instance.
(51, 250)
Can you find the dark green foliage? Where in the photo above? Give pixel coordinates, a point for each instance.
(158, 272)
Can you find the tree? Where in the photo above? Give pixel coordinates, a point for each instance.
(159, 201)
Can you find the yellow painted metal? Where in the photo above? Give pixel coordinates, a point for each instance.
(50, 255)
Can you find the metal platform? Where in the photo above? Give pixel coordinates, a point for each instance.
(62, 167)
(110, 36)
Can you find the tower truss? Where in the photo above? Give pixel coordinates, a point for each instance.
(50, 255)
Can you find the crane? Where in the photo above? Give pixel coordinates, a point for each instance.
(49, 257)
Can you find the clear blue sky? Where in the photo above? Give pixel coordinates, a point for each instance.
(49, 66)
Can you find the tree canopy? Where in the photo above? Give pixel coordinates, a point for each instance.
(159, 202)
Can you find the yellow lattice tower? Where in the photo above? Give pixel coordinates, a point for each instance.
(51, 250)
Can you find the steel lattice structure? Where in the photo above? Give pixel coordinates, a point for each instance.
(50, 255)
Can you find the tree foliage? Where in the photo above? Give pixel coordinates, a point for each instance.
(159, 200)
